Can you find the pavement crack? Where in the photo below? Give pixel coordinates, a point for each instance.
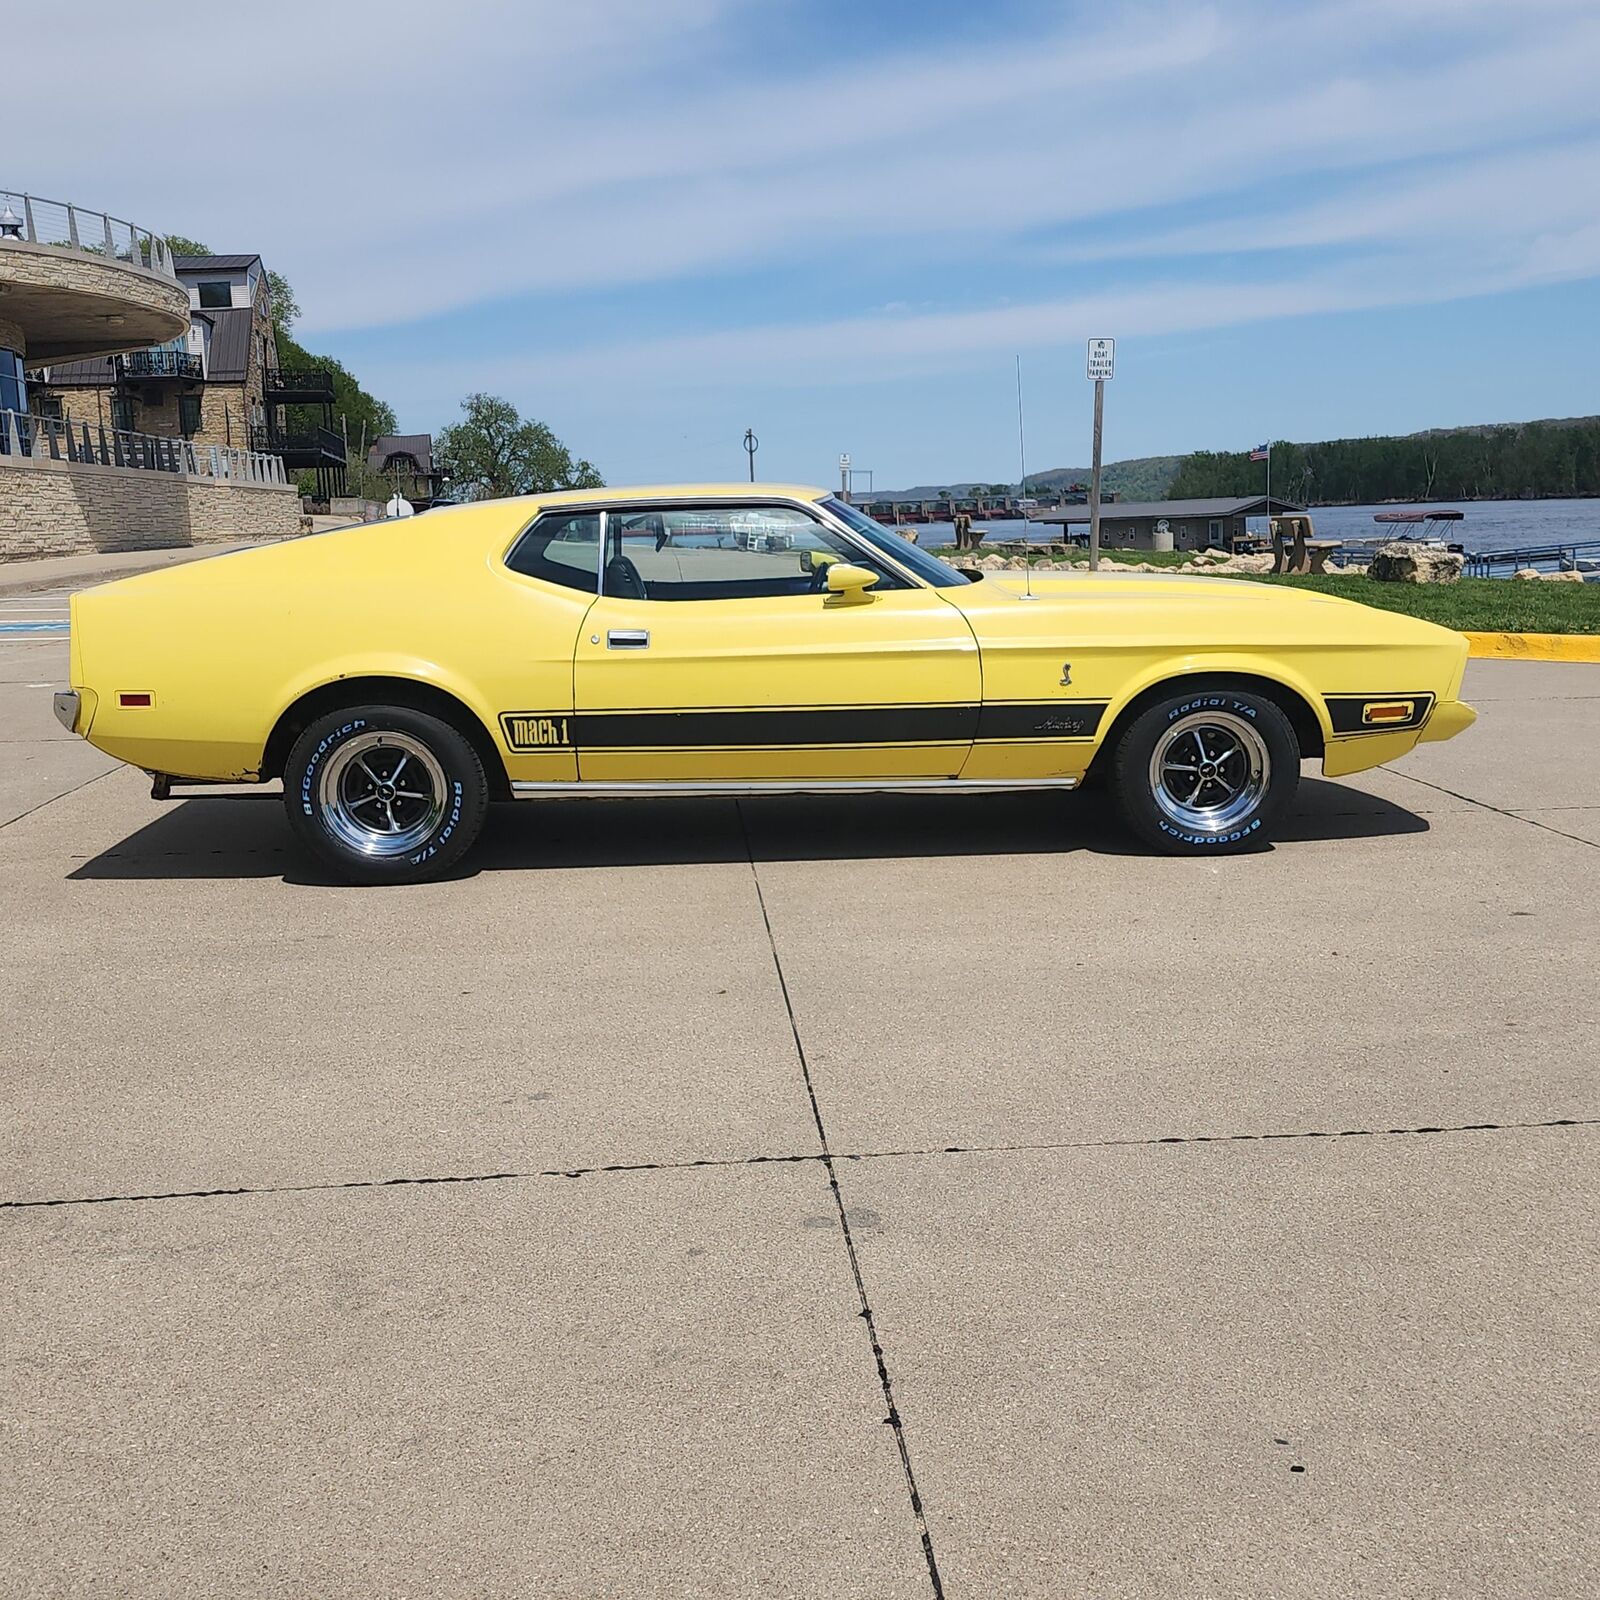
(825, 1158)
(77, 788)
(892, 1418)
(1044, 1146)
(333, 1187)
(1500, 811)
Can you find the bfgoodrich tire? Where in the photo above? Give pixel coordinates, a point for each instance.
(1209, 771)
(384, 794)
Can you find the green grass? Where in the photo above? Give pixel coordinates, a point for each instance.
(1471, 605)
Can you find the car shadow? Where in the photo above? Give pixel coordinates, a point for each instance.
(246, 836)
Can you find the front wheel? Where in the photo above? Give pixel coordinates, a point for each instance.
(1206, 772)
(384, 794)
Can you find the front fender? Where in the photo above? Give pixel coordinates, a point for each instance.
(1212, 664)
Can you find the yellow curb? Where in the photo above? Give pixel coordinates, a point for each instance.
(1535, 646)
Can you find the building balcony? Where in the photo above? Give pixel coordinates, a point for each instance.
(310, 447)
(147, 364)
(298, 386)
(79, 283)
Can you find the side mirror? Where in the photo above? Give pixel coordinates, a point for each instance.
(848, 585)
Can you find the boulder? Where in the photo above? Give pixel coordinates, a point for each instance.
(1527, 574)
(1404, 562)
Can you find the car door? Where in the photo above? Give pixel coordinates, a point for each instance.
(716, 652)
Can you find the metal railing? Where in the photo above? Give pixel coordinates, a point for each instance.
(159, 364)
(29, 218)
(1581, 555)
(298, 380)
(323, 442)
(48, 438)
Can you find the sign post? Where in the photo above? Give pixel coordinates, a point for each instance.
(844, 479)
(1102, 362)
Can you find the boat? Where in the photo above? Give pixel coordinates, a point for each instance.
(1432, 525)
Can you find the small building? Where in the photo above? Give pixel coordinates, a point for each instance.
(1169, 524)
(406, 460)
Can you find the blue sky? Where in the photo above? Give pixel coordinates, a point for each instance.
(652, 223)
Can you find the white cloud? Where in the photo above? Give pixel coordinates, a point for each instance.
(399, 162)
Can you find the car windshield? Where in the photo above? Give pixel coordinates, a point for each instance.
(929, 568)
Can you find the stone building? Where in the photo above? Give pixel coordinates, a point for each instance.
(81, 291)
(218, 384)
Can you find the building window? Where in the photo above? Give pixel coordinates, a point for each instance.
(122, 413)
(216, 296)
(13, 388)
(188, 415)
(48, 405)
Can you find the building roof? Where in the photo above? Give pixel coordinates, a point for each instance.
(1140, 510)
(419, 446)
(229, 359)
(213, 263)
(97, 372)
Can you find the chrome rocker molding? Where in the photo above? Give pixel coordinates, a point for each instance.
(579, 790)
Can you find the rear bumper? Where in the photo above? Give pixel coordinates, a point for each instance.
(1449, 718)
(67, 705)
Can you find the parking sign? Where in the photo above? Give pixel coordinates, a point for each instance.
(1102, 357)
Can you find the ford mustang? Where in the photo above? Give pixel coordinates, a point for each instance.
(397, 677)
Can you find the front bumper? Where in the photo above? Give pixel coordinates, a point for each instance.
(67, 705)
(1449, 718)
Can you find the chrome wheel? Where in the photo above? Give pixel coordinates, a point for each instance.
(382, 794)
(1209, 771)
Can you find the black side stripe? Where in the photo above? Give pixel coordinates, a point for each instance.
(1346, 711)
(842, 725)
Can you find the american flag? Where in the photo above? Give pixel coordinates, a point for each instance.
(1261, 452)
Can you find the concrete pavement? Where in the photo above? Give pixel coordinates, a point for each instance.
(800, 1197)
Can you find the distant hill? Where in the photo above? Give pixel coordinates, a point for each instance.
(1141, 478)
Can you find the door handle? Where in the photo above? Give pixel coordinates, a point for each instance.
(628, 639)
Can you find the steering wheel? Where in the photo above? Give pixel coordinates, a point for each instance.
(623, 580)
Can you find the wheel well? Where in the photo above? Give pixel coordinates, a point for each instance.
(391, 692)
(1307, 730)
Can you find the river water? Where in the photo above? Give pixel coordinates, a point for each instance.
(1486, 524)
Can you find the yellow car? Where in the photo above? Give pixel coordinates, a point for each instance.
(719, 639)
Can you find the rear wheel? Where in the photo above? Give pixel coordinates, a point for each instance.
(384, 794)
(1208, 771)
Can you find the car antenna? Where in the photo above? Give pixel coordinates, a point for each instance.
(1022, 488)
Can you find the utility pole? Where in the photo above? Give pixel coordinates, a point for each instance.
(1102, 361)
(751, 445)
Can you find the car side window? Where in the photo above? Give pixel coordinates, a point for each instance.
(727, 552)
(563, 548)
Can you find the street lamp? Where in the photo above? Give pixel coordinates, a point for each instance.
(10, 223)
(751, 445)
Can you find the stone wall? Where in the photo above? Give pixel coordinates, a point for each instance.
(11, 337)
(54, 508)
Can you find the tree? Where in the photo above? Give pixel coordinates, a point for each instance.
(285, 308)
(492, 453)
